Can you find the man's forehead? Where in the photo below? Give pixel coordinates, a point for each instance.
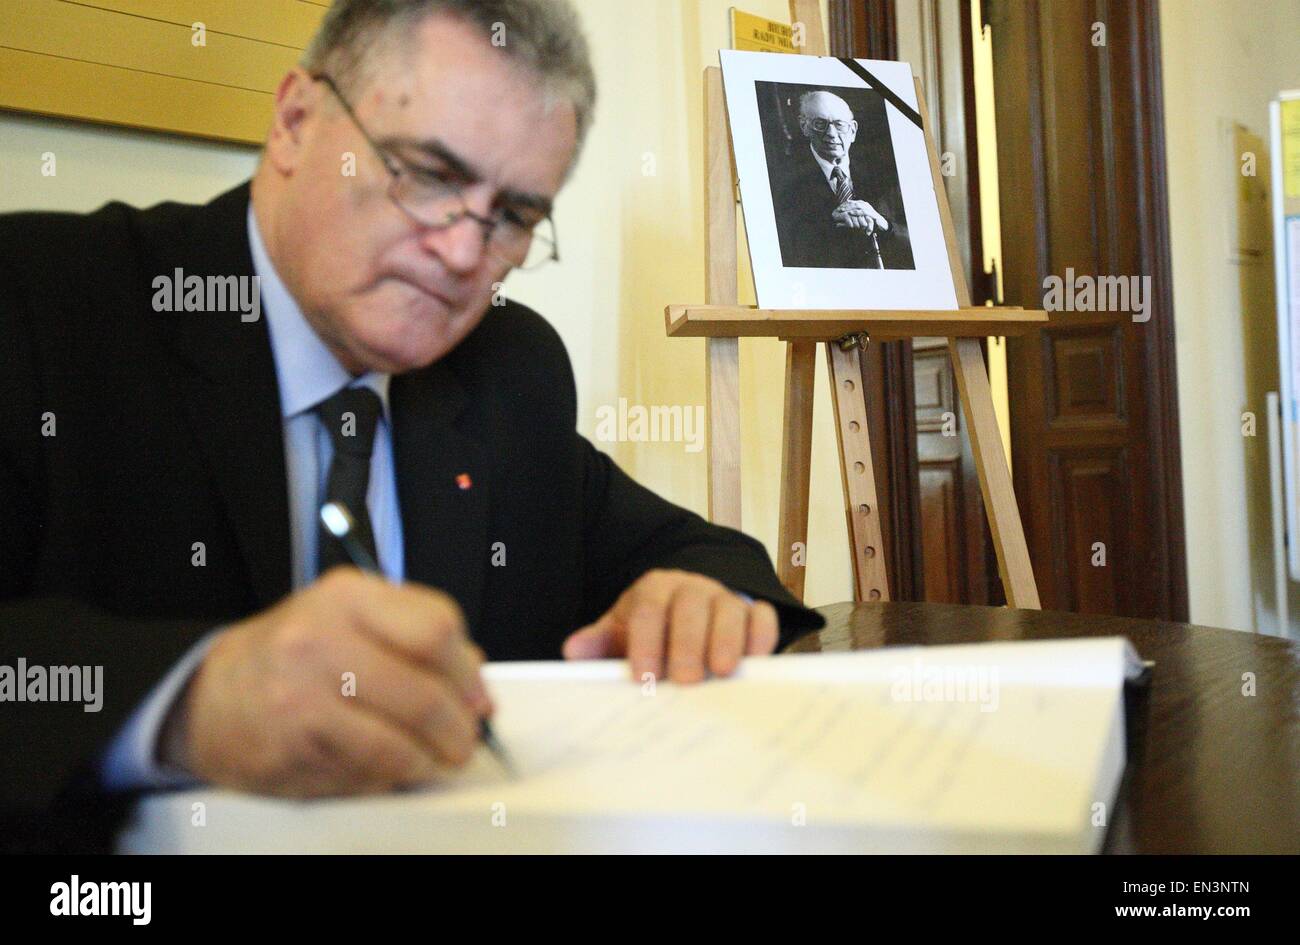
(825, 104)
(475, 109)
(528, 158)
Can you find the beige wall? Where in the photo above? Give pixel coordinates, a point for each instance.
(631, 235)
(1223, 62)
(96, 164)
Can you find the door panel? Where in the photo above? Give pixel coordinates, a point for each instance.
(1093, 397)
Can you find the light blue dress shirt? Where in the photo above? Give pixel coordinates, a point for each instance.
(307, 373)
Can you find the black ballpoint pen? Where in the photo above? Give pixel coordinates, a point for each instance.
(338, 520)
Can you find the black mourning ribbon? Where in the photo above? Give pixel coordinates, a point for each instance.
(885, 91)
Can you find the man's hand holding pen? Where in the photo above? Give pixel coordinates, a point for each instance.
(270, 709)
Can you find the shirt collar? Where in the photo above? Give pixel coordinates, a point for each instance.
(305, 367)
(828, 167)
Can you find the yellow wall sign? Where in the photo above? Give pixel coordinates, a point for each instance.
(752, 33)
(1291, 147)
(206, 68)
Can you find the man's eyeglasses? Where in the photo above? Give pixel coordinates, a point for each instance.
(820, 125)
(521, 237)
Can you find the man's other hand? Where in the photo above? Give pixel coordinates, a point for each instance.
(690, 622)
(352, 685)
(859, 215)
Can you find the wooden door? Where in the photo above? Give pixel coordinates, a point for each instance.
(1094, 418)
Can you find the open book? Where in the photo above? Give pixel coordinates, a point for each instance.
(993, 747)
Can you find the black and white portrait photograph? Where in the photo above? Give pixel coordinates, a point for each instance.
(835, 180)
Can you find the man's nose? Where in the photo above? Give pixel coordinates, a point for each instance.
(459, 245)
(463, 243)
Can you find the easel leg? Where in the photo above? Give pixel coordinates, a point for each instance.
(857, 473)
(796, 465)
(723, 395)
(995, 478)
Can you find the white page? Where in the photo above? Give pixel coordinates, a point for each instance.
(995, 746)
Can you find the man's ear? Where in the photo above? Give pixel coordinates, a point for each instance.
(297, 100)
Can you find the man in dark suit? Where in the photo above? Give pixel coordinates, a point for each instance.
(832, 212)
(181, 389)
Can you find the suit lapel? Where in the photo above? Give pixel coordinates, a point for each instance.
(442, 486)
(225, 375)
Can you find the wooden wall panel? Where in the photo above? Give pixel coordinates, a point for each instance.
(286, 22)
(134, 62)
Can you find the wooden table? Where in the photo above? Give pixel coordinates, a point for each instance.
(1210, 770)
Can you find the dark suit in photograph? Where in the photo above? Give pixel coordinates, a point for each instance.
(129, 435)
(809, 237)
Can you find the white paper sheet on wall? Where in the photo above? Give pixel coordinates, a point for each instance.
(1284, 138)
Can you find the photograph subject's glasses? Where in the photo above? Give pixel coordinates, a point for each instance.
(523, 238)
(821, 125)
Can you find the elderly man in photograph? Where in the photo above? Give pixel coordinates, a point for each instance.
(832, 213)
(162, 471)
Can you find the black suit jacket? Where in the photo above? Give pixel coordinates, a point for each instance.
(166, 431)
(809, 237)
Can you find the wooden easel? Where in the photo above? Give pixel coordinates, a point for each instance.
(723, 322)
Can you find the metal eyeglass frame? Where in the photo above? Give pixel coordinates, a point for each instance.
(398, 169)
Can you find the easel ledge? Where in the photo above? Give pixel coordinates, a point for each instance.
(746, 321)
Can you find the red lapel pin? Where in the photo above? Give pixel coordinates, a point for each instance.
(464, 482)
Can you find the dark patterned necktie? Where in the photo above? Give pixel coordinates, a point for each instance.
(351, 416)
(843, 186)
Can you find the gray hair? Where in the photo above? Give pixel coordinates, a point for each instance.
(543, 36)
